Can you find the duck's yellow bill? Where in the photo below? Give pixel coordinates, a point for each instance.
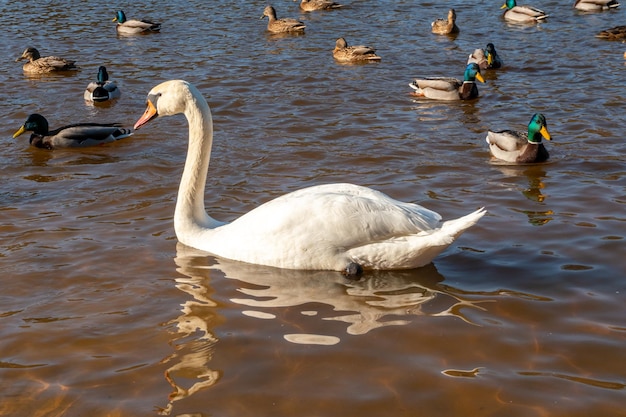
(19, 131)
(480, 77)
(544, 132)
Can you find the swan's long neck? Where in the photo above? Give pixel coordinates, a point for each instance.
(190, 216)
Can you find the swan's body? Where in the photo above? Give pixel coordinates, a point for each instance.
(447, 88)
(614, 34)
(79, 135)
(327, 227)
(134, 27)
(312, 5)
(41, 65)
(521, 147)
(595, 5)
(486, 58)
(360, 53)
(283, 25)
(445, 26)
(522, 14)
(102, 89)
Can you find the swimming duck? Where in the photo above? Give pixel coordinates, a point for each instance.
(70, 136)
(340, 227)
(312, 5)
(360, 53)
(445, 26)
(521, 147)
(446, 88)
(38, 65)
(486, 58)
(281, 25)
(134, 27)
(103, 89)
(595, 5)
(614, 34)
(522, 14)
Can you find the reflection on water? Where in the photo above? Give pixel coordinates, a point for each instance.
(378, 299)
(535, 175)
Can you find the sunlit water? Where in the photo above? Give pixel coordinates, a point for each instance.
(102, 313)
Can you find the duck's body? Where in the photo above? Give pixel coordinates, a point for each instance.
(102, 89)
(77, 135)
(446, 88)
(617, 33)
(313, 5)
(521, 147)
(41, 65)
(360, 53)
(134, 27)
(283, 25)
(328, 227)
(486, 58)
(595, 5)
(522, 14)
(445, 26)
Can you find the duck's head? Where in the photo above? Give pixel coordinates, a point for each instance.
(35, 123)
(269, 11)
(538, 128)
(490, 53)
(472, 73)
(341, 43)
(120, 17)
(103, 75)
(168, 98)
(29, 54)
(451, 15)
(509, 4)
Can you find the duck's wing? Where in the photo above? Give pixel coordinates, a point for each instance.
(507, 140)
(478, 57)
(437, 83)
(52, 63)
(85, 134)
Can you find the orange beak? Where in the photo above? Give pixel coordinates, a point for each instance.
(149, 114)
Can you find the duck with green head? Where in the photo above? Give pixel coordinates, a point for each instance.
(447, 88)
(102, 89)
(522, 14)
(595, 5)
(486, 58)
(134, 27)
(77, 135)
(521, 147)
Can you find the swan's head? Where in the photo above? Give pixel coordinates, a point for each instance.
(167, 99)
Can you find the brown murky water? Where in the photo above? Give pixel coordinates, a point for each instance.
(102, 313)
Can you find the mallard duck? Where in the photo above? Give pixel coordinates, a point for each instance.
(134, 27)
(521, 147)
(70, 136)
(446, 88)
(102, 89)
(312, 5)
(522, 14)
(445, 27)
(617, 33)
(486, 58)
(38, 65)
(340, 227)
(360, 53)
(281, 25)
(595, 5)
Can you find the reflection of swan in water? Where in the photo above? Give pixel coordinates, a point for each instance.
(535, 175)
(192, 356)
(365, 304)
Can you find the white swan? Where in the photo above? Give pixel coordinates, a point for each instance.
(340, 227)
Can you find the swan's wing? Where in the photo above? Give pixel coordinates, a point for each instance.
(344, 213)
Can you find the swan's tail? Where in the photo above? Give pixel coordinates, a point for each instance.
(456, 227)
